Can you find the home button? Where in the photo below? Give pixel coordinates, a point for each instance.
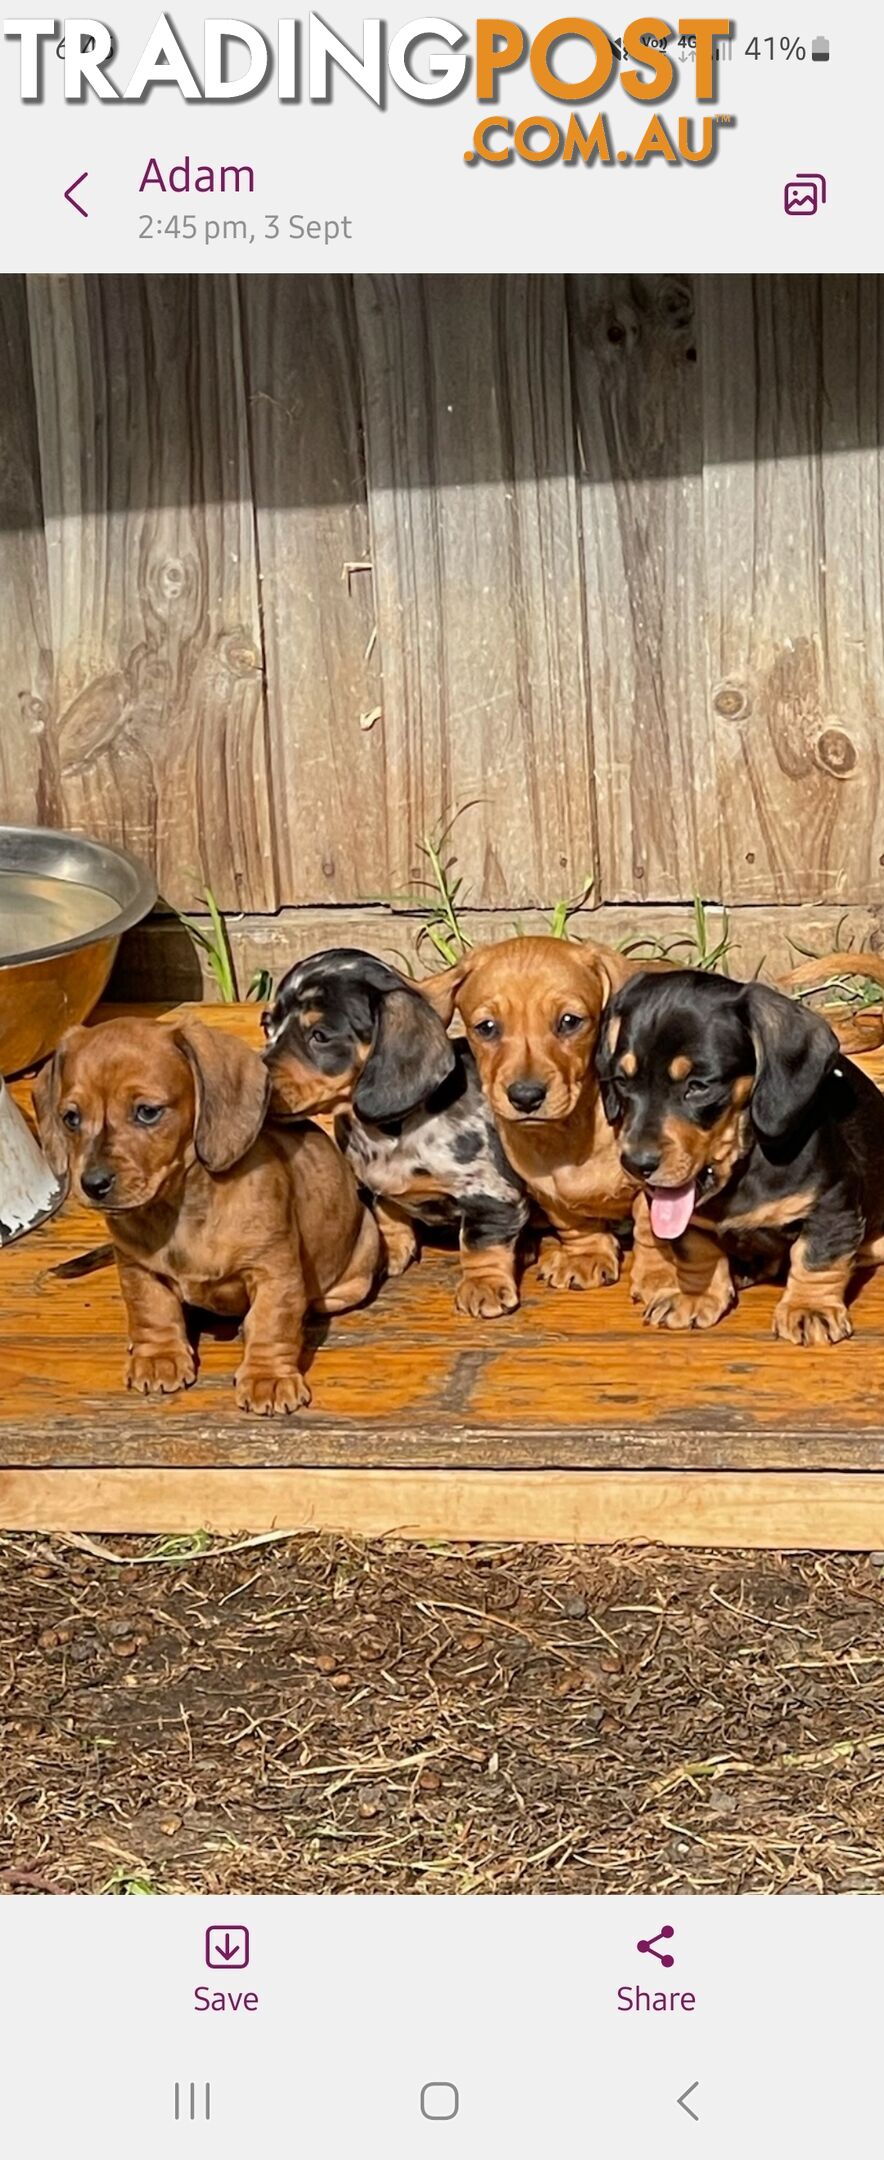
(440, 2102)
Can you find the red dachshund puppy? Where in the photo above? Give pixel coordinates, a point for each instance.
(162, 1129)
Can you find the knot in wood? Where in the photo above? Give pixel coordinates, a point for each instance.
(677, 303)
(240, 653)
(93, 723)
(622, 327)
(836, 753)
(173, 578)
(731, 702)
(33, 710)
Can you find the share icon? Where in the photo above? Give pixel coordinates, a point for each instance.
(649, 1947)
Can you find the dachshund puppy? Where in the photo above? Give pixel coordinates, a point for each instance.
(532, 1007)
(753, 1136)
(347, 1035)
(162, 1129)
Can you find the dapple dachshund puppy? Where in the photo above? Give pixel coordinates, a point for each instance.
(162, 1129)
(753, 1136)
(348, 1036)
(531, 1007)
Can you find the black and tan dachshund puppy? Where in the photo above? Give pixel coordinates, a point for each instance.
(754, 1138)
(349, 1037)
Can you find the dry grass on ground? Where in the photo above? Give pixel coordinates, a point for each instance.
(312, 1715)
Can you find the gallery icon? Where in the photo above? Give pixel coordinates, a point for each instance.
(648, 1946)
(227, 1948)
(804, 195)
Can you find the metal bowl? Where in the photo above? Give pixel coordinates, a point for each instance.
(76, 898)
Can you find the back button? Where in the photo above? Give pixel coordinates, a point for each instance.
(685, 2097)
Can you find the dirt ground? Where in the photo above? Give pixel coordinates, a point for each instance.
(305, 1714)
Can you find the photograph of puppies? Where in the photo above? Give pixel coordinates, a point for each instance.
(441, 1085)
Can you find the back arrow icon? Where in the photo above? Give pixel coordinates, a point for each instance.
(684, 2097)
(70, 192)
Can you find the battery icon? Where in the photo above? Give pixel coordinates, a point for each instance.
(820, 49)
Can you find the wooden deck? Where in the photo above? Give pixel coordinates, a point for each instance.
(568, 1421)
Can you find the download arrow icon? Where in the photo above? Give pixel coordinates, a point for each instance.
(227, 1947)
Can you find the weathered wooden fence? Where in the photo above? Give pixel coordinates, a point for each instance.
(291, 567)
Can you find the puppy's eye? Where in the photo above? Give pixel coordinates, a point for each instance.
(146, 1113)
(267, 1022)
(696, 1087)
(319, 1036)
(569, 1023)
(487, 1030)
(71, 1119)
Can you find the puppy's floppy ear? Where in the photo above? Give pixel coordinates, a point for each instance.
(232, 1093)
(47, 1092)
(610, 1026)
(793, 1052)
(442, 991)
(621, 968)
(410, 1058)
(611, 970)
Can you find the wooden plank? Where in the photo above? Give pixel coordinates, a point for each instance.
(472, 494)
(158, 959)
(158, 716)
(207, 1440)
(579, 1379)
(569, 1421)
(610, 1369)
(28, 777)
(311, 517)
(774, 1513)
(793, 394)
(567, 1380)
(636, 358)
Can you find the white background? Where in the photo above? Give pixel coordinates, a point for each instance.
(399, 174)
(362, 2002)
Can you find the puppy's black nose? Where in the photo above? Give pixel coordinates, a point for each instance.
(641, 1165)
(97, 1183)
(527, 1094)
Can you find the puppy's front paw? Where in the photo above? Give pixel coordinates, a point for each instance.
(270, 1394)
(672, 1308)
(400, 1250)
(811, 1326)
(649, 1279)
(593, 1266)
(486, 1297)
(160, 1372)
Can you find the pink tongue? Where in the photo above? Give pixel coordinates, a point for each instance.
(671, 1211)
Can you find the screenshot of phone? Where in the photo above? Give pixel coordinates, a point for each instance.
(441, 1084)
